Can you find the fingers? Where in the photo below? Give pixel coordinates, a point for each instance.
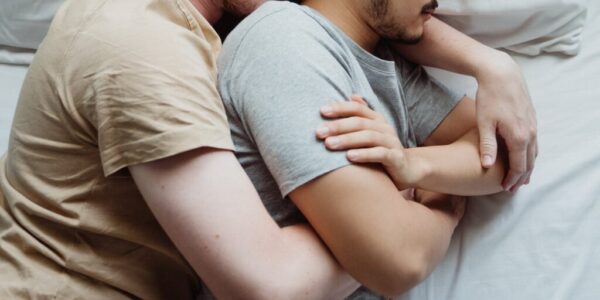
(371, 155)
(355, 108)
(488, 145)
(517, 172)
(361, 139)
(353, 124)
(522, 151)
(531, 157)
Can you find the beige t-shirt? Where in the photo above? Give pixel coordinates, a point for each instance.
(115, 83)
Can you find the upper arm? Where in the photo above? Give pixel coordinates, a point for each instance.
(359, 214)
(276, 96)
(144, 105)
(210, 210)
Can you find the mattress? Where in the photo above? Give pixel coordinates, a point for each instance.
(11, 79)
(544, 241)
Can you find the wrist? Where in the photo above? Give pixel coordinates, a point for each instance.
(493, 65)
(419, 167)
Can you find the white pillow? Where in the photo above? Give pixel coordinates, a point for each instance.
(523, 26)
(24, 23)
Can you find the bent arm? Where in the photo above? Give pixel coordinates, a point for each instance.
(211, 211)
(387, 243)
(449, 163)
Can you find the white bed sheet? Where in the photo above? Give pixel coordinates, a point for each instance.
(11, 79)
(544, 241)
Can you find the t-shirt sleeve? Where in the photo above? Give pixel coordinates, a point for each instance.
(276, 85)
(156, 101)
(428, 101)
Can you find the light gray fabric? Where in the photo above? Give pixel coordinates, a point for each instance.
(24, 23)
(284, 62)
(281, 65)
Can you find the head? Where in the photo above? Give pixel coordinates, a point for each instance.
(398, 20)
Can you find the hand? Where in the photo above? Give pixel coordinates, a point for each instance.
(505, 107)
(451, 207)
(369, 139)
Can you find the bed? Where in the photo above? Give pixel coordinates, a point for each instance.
(11, 78)
(540, 243)
(544, 241)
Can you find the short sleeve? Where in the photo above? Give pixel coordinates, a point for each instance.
(428, 101)
(154, 101)
(275, 84)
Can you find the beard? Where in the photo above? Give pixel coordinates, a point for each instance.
(390, 28)
(404, 37)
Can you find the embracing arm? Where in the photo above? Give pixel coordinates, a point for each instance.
(211, 211)
(504, 106)
(387, 243)
(446, 48)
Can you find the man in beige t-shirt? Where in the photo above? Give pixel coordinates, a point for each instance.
(118, 84)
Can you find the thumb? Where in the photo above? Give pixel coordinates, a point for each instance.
(488, 145)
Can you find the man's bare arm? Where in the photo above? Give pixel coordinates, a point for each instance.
(454, 169)
(211, 211)
(449, 163)
(504, 106)
(387, 243)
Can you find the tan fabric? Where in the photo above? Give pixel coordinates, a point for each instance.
(115, 83)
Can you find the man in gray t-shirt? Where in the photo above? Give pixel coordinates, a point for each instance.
(282, 64)
(277, 68)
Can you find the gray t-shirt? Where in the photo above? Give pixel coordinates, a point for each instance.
(280, 66)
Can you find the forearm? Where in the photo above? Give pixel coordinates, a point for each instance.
(309, 263)
(446, 48)
(456, 168)
(387, 243)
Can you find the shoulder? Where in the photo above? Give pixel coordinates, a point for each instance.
(280, 31)
(152, 34)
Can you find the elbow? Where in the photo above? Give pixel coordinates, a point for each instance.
(401, 275)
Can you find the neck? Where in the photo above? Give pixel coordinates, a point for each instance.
(209, 10)
(346, 17)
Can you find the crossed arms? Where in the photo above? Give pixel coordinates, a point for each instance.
(384, 240)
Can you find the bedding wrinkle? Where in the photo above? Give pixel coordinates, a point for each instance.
(542, 242)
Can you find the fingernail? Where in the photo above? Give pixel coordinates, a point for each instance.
(323, 131)
(487, 160)
(352, 154)
(332, 142)
(326, 110)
